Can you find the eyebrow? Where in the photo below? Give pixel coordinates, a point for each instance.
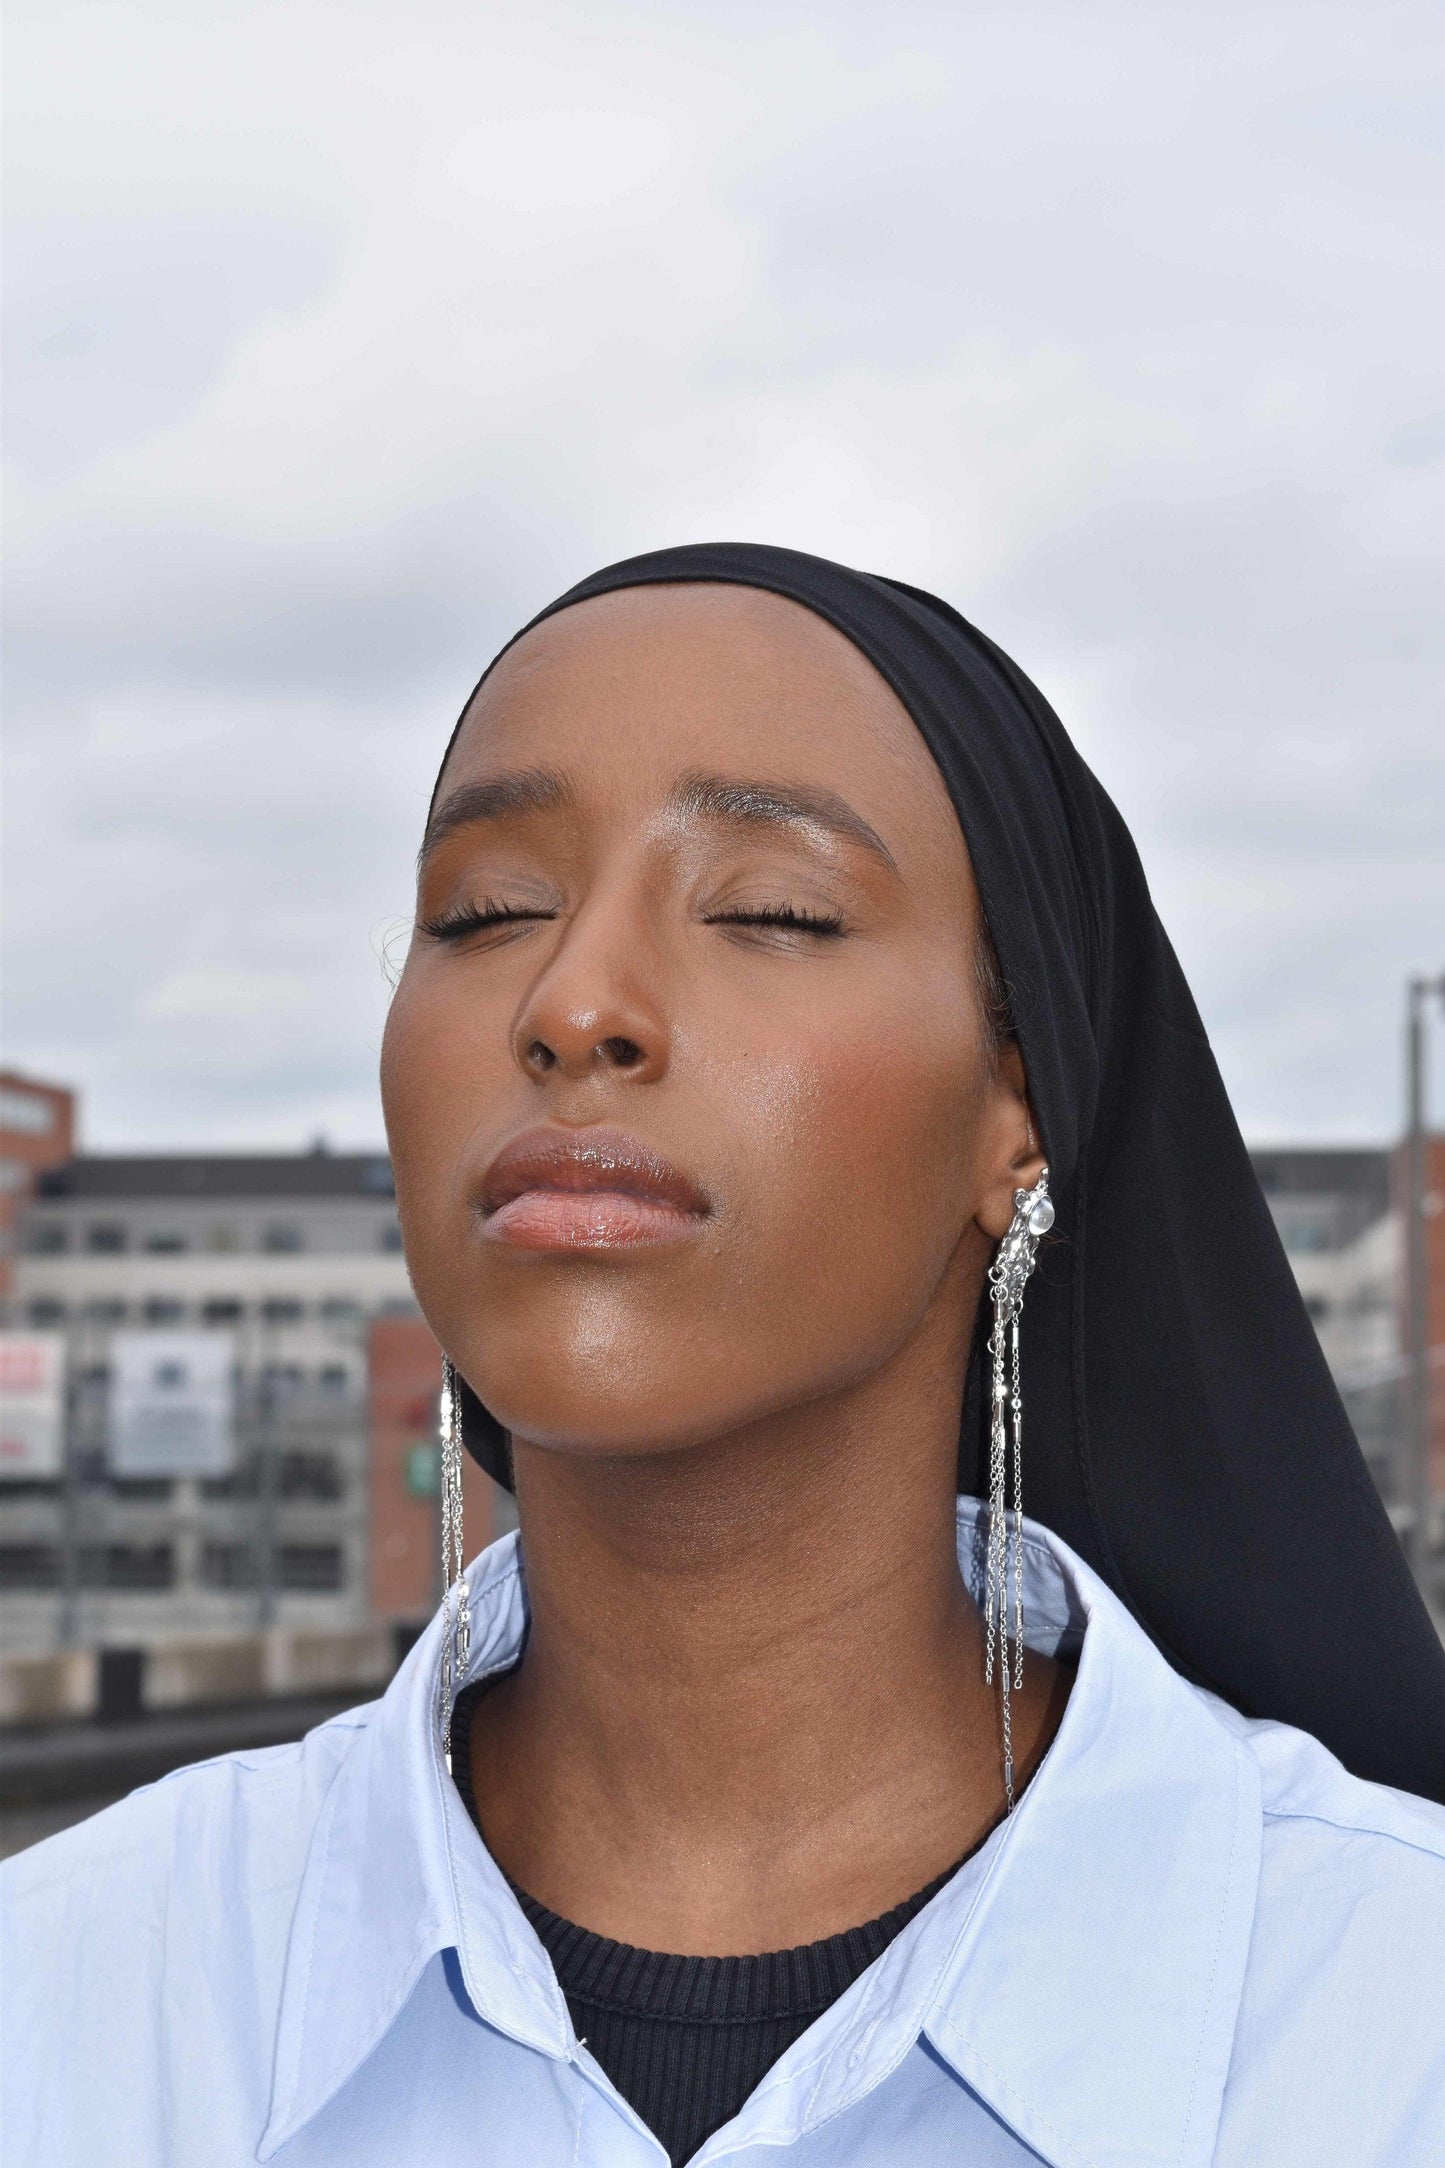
(743, 804)
(733, 800)
(521, 790)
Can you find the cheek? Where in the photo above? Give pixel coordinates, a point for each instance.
(835, 1135)
(853, 1144)
(443, 1065)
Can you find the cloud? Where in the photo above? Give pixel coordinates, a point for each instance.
(342, 338)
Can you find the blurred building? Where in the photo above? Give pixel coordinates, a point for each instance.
(37, 1130)
(405, 1372)
(1341, 1218)
(219, 1580)
(313, 1556)
(1435, 1307)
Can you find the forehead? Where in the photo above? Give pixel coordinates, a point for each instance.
(628, 690)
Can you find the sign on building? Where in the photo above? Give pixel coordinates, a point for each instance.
(32, 1403)
(172, 1404)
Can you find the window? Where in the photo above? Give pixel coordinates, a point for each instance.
(165, 1242)
(376, 1177)
(29, 1566)
(281, 1310)
(45, 1310)
(46, 1238)
(105, 1311)
(163, 1310)
(339, 1309)
(14, 1176)
(222, 1236)
(135, 1566)
(281, 1235)
(334, 1378)
(155, 1490)
(315, 1566)
(105, 1237)
(389, 1236)
(1318, 1308)
(26, 1111)
(310, 1475)
(240, 1483)
(221, 1310)
(33, 1486)
(228, 1565)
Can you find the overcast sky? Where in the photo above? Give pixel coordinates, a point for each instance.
(342, 337)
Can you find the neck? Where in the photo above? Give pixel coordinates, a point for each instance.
(751, 1710)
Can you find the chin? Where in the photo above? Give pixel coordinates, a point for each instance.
(595, 1426)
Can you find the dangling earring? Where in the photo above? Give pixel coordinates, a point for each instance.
(1007, 1277)
(456, 1607)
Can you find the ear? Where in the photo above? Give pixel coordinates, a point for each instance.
(1014, 1158)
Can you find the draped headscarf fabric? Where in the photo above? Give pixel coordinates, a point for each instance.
(1185, 1435)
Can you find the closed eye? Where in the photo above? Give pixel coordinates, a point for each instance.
(785, 915)
(469, 918)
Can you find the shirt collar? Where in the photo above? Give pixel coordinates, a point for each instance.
(1081, 1975)
(395, 1874)
(1091, 1997)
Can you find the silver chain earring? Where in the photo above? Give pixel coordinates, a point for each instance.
(1008, 1276)
(456, 1607)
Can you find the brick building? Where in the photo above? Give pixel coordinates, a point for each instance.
(37, 1131)
(405, 1369)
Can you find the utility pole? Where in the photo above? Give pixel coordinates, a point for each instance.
(1418, 1490)
(267, 1481)
(68, 1624)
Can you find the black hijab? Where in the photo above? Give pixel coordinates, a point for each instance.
(1185, 1435)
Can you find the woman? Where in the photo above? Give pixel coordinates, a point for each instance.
(780, 975)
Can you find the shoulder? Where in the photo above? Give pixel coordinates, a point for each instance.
(1352, 1874)
(1335, 1848)
(223, 1839)
(1321, 1821)
(1340, 2013)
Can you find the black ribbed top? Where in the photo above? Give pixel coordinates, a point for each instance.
(687, 2039)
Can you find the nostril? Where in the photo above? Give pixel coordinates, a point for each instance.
(540, 1056)
(622, 1053)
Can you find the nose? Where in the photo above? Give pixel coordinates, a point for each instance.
(595, 1011)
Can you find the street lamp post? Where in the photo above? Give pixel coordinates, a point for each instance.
(267, 1482)
(68, 1633)
(1419, 1489)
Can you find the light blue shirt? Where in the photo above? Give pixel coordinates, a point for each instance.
(1196, 1940)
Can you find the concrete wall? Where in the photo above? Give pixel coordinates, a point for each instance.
(201, 1669)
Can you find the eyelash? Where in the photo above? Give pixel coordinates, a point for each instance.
(467, 918)
(786, 915)
(470, 918)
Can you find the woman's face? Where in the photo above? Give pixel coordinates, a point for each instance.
(689, 1092)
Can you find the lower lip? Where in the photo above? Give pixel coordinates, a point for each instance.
(594, 1219)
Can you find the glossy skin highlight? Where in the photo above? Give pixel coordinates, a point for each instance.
(694, 882)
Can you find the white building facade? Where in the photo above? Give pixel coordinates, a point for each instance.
(290, 1257)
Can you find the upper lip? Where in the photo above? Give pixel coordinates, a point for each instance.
(587, 1159)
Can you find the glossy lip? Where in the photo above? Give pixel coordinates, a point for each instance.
(590, 1189)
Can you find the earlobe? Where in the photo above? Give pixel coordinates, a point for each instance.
(1025, 1169)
